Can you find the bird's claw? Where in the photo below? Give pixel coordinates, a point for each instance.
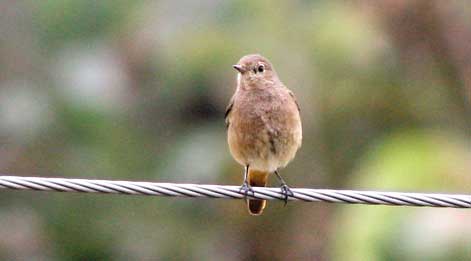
(246, 188)
(286, 191)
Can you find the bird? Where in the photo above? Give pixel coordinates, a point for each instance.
(263, 124)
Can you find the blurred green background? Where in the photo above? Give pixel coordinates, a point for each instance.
(136, 90)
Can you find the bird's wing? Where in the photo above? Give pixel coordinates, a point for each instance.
(294, 99)
(228, 111)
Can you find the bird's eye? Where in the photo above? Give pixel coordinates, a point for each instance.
(261, 68)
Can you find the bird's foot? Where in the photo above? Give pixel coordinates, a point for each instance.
(286, 191)
(246, 188)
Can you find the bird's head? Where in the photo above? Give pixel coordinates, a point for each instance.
(255, 71)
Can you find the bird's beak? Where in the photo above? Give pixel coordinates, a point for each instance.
(239, 68)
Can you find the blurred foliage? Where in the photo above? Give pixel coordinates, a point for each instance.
(136, 90)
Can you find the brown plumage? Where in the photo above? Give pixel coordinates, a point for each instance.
(264, 125)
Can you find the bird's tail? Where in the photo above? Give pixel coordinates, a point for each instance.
(257, 179)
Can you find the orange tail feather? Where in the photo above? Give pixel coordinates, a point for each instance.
(257, 179)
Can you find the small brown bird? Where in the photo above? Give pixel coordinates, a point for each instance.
(264, 126)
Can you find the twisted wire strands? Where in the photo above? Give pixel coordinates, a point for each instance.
(233, 192)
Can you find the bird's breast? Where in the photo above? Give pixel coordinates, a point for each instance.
(264, 130)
